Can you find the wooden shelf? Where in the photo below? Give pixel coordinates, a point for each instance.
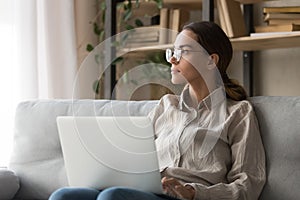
(187, 4)
(145, 49)
(280, 3)
(248, 43)
(249, 1)
(254, 43)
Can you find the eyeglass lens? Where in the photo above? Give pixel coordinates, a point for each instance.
(176, 54)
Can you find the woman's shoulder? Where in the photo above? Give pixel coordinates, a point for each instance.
(169, 99)
(243, 106)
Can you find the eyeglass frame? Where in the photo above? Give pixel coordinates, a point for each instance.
(176, 53)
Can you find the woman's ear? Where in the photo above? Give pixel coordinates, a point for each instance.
(215, 58)
(213, 61)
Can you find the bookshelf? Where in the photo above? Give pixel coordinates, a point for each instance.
(246, 44)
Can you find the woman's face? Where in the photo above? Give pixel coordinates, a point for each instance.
(188, 68)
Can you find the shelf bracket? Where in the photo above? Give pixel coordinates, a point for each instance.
(110, 32)
(208, 10)
(248, 55)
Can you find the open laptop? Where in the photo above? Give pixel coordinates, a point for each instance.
(101, 152)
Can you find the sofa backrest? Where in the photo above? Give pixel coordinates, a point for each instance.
(38, 162)
(279, 121)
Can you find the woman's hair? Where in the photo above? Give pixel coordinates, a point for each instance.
(213, 39)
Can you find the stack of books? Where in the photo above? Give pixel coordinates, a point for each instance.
(280, 19)
(140, 37)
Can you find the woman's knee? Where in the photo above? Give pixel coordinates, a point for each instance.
(123, 193)
(74, 194)
(114, 193)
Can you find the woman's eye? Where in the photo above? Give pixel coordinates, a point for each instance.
(184, 51)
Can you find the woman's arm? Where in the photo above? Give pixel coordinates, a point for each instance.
(247, 175)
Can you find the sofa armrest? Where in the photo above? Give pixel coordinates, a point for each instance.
(9, 184)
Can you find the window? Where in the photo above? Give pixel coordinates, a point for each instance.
(7, 102)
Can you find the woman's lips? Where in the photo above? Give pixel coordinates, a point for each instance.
(174, 71)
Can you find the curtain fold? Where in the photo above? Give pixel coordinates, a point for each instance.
(46, 48)
(43, 42)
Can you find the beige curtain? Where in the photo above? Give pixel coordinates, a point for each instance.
(45, 49)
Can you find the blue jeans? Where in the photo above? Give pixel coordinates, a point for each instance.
(113, 193)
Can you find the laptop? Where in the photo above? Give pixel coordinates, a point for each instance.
(101, 152)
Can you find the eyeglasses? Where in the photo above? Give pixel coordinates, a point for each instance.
(176, 53)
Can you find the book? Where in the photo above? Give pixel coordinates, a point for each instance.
(277, 28)
(290, 9)
(274, 34)
(144, 32)
(177, 18)
(283, 21)
(282, 16)
(180, 17)
(139, 44)
(231, 18)
(163, 25)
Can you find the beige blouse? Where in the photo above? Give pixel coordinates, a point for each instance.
(215, 147)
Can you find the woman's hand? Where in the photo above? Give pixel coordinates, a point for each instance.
(174, 188)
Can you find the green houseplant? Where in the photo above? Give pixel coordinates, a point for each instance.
(127, 22)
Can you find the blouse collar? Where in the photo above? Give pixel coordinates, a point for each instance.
(216, 97)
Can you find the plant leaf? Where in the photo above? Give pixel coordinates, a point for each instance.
(89, 47)
(103, 17)
(127, 15)
(101, 36)
(97, 58)
(159, 3)
(129, 5)
(129, 27)
(103, 6)
(137, 3)
(96, 86)
(134, 82)
(115, 43)
(117, 60)
(139, 23)
(96, 28)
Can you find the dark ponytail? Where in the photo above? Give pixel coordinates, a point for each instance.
(234, 90)
(212, 38)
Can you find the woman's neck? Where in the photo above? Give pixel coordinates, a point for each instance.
(198, 92)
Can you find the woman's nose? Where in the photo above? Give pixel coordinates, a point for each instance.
(173, 60)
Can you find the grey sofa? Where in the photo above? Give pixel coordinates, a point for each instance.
(36, 168)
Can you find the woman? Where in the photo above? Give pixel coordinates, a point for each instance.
(208, 141)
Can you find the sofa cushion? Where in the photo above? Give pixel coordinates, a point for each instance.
(279, 120)
(9, 184)
(37, 157)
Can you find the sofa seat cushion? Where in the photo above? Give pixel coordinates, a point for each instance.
(9, 184)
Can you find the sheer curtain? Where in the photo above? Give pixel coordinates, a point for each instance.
(38, 57)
